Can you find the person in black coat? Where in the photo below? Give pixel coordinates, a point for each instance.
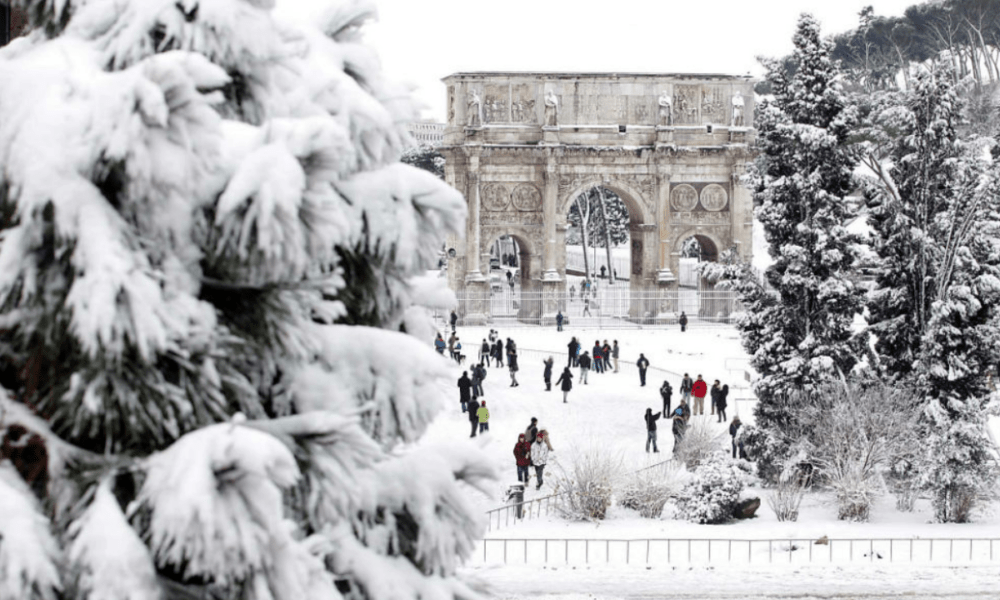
(643, 364)
(464, 390)
(498, 352)
(714, 392)
(473, 417)
(734, 429)
(566, 379)
(454, 321)
(666, 392)
(548, 373)
(573, 347)
(683, 321)
(722, 402)
(651, 420)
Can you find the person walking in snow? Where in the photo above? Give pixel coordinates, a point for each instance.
(540, 456)
(686, 384)
(723, 402)
(512, 363)
(477, 381)
(699, 389)
(734, 430)
(566, 379)
(522, 458)
(464, 390)
(666, 392)
(584, 368)
(714, 395)
(547, 374)
(458, 350)
(586, 308)
(454, 321)
(651, 420)
(606, 355)
(498, 349)
(597, 364)
(483, 414)
(614, 355)
(680, 418)
(683, 321)
(532, 431)
(643, 364)
(574, 347)
(439, 344)
(451, 345)
(559, 321)
(484, 353)
(473, 416)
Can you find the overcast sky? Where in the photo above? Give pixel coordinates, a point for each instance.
(421, 41)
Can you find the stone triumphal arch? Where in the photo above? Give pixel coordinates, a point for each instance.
(523, 146)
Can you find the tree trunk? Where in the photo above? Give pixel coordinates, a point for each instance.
(607, 235)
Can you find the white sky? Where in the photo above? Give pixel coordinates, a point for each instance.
(421, 41)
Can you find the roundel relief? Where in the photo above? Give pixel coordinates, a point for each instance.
(495, 197)
(714, 197)
(527, 198)
(683, 198)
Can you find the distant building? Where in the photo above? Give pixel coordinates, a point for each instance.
(13, 23)
(428, 133)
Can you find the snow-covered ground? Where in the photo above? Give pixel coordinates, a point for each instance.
(607, 414)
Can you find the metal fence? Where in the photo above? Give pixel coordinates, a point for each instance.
(610, 306)
(740, 551)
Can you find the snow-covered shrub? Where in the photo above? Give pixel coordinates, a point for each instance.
(959, 466)
(856, 432)
(586, 490)
(648, 490)
(712, 492)
(786, 497)
(701, 440)
(767, 453)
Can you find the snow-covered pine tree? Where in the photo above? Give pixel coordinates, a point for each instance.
(935, 212)
(215, 375)
(802, 335)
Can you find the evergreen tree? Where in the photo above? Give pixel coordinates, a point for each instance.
(936, 215)
(800, 335)
(215, 375)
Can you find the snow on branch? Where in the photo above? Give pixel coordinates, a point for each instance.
(108, 558)
(214, 504)
(399, 375)
(28, 552)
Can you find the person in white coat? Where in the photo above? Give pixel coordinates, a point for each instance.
(540, 454)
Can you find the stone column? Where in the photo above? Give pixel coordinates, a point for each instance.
(553, 283)
(741, 210)
(665, 276)
(476, 284)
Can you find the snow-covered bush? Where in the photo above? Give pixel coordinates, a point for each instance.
(786, 497)
(700, 441)
(713, 491)
(648, 490)
(587, 488)
(767, 453)
(208, 249)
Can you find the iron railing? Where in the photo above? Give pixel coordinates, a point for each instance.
(610, 306)
(740, 551)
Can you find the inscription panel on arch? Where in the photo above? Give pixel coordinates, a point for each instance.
(510, 218)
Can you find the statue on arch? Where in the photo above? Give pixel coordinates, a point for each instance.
(475, 110)
(738, 105)
(666, 110)
(551, 109)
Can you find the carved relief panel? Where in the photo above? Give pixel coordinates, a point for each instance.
(686, 104)
(527, 198)
(714, 197)
(710, 206)
(713, 105)
(495, 109)
(522, 107)
(495, 197)
(683, 198)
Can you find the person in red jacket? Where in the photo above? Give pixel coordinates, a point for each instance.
(699, 390)
(522, 456)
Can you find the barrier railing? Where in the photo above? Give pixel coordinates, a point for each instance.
(610, 306)
(740, 551)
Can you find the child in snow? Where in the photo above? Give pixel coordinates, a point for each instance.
(483, 414)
